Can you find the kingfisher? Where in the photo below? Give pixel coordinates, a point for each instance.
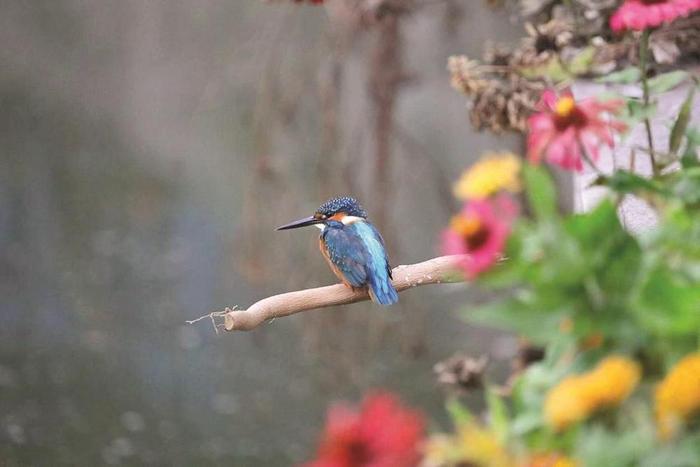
(353, 247)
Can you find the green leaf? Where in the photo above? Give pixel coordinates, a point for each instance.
(624, 181)
(637, 110)
(684, 453)
(599, 446)
(541, 193)
(591, 227)
(527, 422)
(556, 70)
(582, 62)
(609, 95)
(459, 414)
(686, 185)
(681, 124)
(551, 69)
(515, 315)
(690, 156)
(667, 81)
(498, 414)
(627, 76)
(669, 305)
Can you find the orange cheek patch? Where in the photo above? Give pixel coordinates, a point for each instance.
(338, 216)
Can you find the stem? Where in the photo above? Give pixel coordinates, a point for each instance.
(643, 61)
(594, 292)
(589, 160)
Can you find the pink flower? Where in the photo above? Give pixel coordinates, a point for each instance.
(639, 15)
(381, 434)
(564, 128)
(480, 232)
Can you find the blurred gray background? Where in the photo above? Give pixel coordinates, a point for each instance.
(148, 149)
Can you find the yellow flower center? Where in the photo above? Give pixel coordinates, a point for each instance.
(466, 226)
(565, 105)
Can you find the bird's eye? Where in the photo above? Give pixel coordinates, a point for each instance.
(324, 217)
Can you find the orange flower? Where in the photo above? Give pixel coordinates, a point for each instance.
(551, 460)
(678, 395)
(576, 397)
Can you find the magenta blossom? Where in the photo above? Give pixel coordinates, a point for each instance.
(639, 15)
(480, 232)
(564, 128)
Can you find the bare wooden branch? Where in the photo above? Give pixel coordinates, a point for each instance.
(434, 271)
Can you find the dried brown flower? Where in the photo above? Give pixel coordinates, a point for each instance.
(505, 106)
(461, 371)
(465, 75)
(565, 40)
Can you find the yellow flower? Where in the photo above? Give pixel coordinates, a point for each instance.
(678, 395)
(613, 380)
(550, 460)
(439, 450)
(568, 402)
(471, 445)
(577, 397)
(482, 447)
(493, 173)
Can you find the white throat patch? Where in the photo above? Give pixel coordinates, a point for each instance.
(347, 220)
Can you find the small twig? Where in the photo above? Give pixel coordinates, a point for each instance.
(589, 160)
(439, 270)
(643, 60)
(212, 315)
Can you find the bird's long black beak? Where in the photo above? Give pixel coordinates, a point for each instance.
(311, 220)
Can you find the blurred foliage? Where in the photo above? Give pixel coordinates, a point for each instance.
(617, 314)
(586, 268)
(584, 288)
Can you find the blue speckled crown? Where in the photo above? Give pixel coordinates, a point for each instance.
(345, 204)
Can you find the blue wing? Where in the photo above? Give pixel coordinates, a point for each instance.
(357, 256)
(379, 253)
(346, 254)
(377, 265)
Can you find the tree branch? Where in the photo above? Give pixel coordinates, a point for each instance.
(434, 271)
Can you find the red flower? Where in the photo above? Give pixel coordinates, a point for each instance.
(381, 434)
(644, 14)
(563, 128)
(480, 232)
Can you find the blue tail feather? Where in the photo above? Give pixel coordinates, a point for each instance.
(382, 291)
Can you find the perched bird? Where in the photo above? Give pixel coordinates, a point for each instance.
(353, 247)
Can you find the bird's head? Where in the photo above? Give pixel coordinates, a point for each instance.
(344, 209)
